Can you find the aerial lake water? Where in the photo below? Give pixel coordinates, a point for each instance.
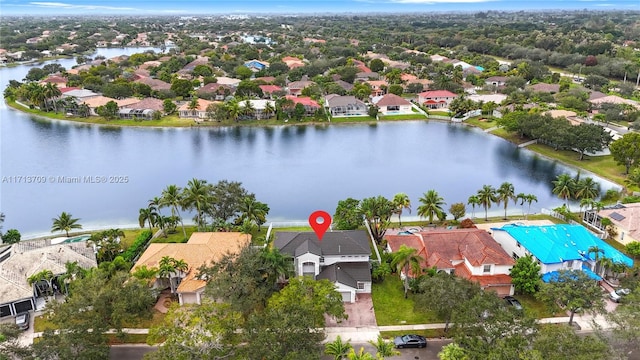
(104, 175)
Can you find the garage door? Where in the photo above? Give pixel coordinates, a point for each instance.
(23, 306)
(346, 296)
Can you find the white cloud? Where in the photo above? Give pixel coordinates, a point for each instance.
(59, 5)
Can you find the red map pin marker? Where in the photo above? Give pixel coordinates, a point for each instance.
(320, 222)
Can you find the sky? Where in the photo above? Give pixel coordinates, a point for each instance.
(202, 7)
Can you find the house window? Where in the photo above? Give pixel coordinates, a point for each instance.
(622, 236)
(393, 108)
(515, 256)
(486, 269)
(518, 244)
(360, 285)
(570, 264)
(321, 259)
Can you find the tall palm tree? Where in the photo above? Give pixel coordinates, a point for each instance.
(384, 348)
(233, 109)
(169, 268)
(337, 348)
(253, 210)
(400, 202)
(505, 193)
(473, 200)
(487, 196)
(432, 204)
(529, 198)
(148, 216)
(248, 109)
(73, 271)
(596, 251)
(587, 188)
(145, 273)
(269, 109)
(65, 222)
(197, 197)
(407, 259)
(564, 187)
(51, 92)
(172, 196)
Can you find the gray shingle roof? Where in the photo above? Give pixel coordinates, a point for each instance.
(347, 273)
(349, 242)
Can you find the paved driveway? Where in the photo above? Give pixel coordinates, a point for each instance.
(360, 313)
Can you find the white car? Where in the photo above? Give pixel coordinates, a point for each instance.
(616, 295)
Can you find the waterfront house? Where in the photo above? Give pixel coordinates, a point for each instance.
(393, 104)
(202, 249)
(557, 247)
(342, 257)
(469, 253)
(310, 105)
(345, 106)
(436, 99)
(199, 112)
(295, 87)
(625, 221)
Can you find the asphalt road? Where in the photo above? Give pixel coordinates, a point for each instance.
(136, 352)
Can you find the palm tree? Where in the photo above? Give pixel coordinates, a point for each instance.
(529, 198)
(41, 281)
(170, 268)
(73, 271)
(564, 187)
(50, 92)
(487, 196)
(596, 251)
(196, 196)
(337, 348)
(253, 210)
(172, 196)
(233, 109)
(431, 206)
(384, 348)
(401, 201)
(84, 110)
(276, 265)
(269, 109)
(505, 193)
(145, 273)
(473, 200)
(248, 109)
(587, 188)
(406, 259)
(65, 222)
(148, 215)
(360, 355)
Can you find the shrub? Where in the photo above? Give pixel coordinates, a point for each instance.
(139, 244)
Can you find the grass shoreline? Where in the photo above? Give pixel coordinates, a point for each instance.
(610, 171)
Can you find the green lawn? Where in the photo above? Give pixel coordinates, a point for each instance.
(352, 119)
(403, 117)
(485, 124)
(535, 307)
(439, 113)
(127, 339)
(393, 309)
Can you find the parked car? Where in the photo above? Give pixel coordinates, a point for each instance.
(22, 320)
(616, 295)
(410, 341)
(513, 302)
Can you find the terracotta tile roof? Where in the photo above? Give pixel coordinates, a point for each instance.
(304, 100)
(201, 249)
(437, 93)
(202, 105)
(147, 103)
(393, 100)
(155, 84)
(483, 280)
(270, 88)
(56, 79)
(267, 79)
(96, 101)
(408, 77)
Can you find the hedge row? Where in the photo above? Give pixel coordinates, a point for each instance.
(138, 245)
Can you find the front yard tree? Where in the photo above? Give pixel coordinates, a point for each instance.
(292, 324)
(181, 87)
(452, 351)
(444, 294)
(525, 275)
(65, 222)
(99, 302)
(560, 341)
(407, 260)
(377, 211)
(457, 210)
(626, 323)
(626, 150)
(488, 329)
(205, 331)
(573, 290)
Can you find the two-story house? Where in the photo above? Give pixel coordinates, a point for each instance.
(625, 221)
(436, 99)
(557, 247)
(345, 105)
(469, 253)
(342, 257)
